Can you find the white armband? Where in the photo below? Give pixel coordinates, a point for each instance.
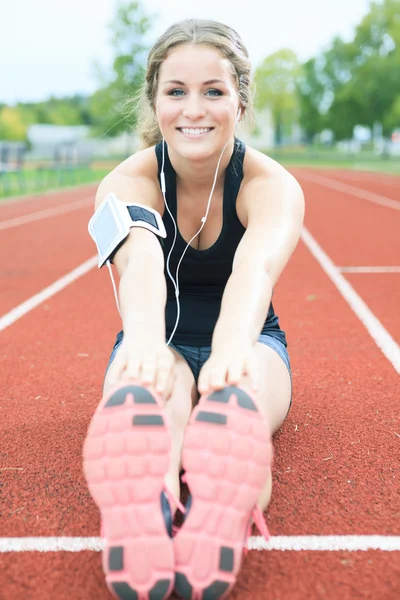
(111, 223)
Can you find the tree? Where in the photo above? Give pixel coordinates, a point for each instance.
(276, 79)
(392, 118)
(362, 76)
(107, 104)
(311, 92)
(355, 82)
(12, 127)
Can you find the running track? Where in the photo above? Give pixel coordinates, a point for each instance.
(337, 456)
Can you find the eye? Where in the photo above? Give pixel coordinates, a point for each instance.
(214, 92)
(175, 92)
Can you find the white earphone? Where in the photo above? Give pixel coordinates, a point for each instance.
(203, 221)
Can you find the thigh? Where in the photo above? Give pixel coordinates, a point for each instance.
(275, 386)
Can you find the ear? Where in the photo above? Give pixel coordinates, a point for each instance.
(238, 115)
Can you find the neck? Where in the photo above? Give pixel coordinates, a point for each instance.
(197, 177)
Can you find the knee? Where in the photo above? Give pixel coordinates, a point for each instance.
(179, 409)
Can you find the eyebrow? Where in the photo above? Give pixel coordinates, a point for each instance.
(208, 82)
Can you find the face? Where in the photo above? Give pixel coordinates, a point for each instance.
(197, 100)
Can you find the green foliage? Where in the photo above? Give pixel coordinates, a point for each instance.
(108, 104)
(103, 110)
(351, 83)
(276, 80)
(356, 82)
(311, 92)
(12, 127)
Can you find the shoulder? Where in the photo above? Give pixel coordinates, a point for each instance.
(256, 164)
(266, 185)
(134, 180)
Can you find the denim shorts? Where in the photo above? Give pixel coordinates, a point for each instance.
(196, 356)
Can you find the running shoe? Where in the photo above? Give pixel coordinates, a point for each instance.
(126, 456)
(227, 453)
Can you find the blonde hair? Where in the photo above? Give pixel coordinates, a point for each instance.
(192, 31)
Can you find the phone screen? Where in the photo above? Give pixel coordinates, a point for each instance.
(107, 229)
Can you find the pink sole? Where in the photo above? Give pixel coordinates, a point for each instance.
(227, 453)
(126, 455)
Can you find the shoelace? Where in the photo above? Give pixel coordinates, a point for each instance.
(257, 518)
(172, 499)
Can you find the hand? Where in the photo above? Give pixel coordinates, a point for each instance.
(152, 364)
(228, 365)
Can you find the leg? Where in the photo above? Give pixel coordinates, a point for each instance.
(178, 407)
(273, 397)
(130, 423)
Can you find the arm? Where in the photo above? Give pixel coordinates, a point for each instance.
(274, 207)
(139, 261)
(275, 211)
(142, 288)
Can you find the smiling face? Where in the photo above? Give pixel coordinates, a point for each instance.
(197, 100)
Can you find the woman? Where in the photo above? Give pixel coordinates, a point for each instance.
(206, 390)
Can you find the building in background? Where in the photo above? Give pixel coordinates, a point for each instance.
(74, 145)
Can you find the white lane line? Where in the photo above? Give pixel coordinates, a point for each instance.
(46, 213)
(330, 543)
(379, 334)
(368, 269)
(22, 309)
(345, 188)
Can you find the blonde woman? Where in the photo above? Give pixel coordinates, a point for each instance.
(200, 376)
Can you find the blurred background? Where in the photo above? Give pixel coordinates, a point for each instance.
(327, 77)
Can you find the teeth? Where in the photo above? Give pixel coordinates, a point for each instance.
(195, 131)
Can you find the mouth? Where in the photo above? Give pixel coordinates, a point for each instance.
(195, 132)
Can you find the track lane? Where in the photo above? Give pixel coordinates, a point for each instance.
(289, 575)
(41, 252)
(11, 209)
(352, 231)
(312, 492)
(379, 183)
(60, 353)
(381, 291)
(311, 495)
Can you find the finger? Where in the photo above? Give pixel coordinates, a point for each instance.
(235, 373)
(133, 365)
(165, 367)
(117, 369)
(149, 368)
(218, 378)
(203, 384)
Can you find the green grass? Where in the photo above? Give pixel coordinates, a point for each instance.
(329, 158)
(32, 181)
(35, 179)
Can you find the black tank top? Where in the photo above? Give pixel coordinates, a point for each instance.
(203, 273)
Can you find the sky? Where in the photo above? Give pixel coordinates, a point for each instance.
(50, 48)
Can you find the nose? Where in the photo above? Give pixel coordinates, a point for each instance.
(194, 108)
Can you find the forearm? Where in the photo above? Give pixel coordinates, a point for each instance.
(245, 304)
(142, 295)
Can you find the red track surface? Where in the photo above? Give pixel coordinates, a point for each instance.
(336, 469)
